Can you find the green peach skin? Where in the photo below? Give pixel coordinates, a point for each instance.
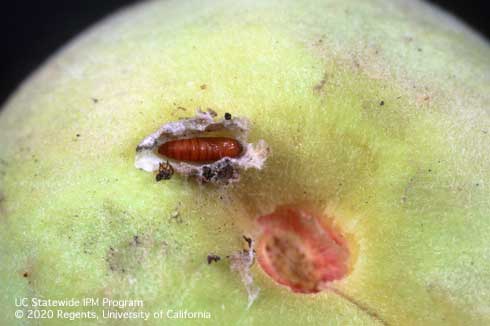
(377, 113)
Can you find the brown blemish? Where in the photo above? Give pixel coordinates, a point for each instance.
(95, 100)
(213, 258)
(129, 256)
(203, 86)
(27, 271)
(423, 99)
(318, 88)
(2, 204)
(356, 63)
(175, 215)
(319, 41)
(177, 109)
(406, 190)
(361, 306)
(248, 240)
(3, 166)
(136, 240)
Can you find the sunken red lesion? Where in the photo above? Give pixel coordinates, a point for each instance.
(300, 250)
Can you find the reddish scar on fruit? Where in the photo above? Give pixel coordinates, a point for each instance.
(298, 250)
(201, 149)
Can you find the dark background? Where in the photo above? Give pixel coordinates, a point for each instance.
(32, 30)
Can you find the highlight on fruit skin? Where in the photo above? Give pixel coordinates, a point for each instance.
(196, 147)
(299, 250)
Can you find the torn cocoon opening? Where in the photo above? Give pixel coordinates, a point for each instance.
(223, 171)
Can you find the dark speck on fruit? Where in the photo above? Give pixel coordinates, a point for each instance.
(136, 240)
(248, 241)
(213, 258)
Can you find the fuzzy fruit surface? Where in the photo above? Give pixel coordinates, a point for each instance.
(408, 180)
